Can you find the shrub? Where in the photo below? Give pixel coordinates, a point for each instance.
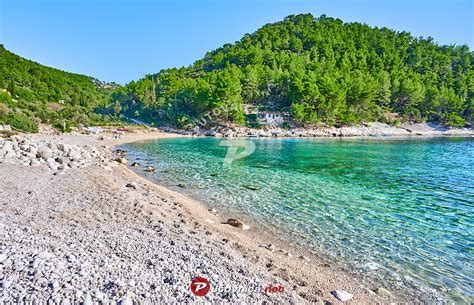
(453, 120)
(21, 122)
(4, 110)
(63, 125)
(5, 98)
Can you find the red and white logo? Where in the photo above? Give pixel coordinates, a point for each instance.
(200, 286)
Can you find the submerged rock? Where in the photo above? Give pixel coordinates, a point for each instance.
(251, 187)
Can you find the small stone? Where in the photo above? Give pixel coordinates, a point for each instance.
(150, 169)
(121, 160)
(87, 300)
(70, 258)
(131, 283)
(383, 292)
(135, 164)
(6, 283)
(269, 247)
(44, 153)
(342, 295)
(132, 185)
(36, 263)
(126, 301)
(3, 258)
(304, 258)
(235, 223)
(119, 283)
(62, 160)
(74, 155)
(65, 302)
(42, 282)
(99, 295)
(35, 162)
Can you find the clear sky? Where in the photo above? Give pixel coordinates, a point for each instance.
(123, 40)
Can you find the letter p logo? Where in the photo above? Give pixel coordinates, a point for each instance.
(233, 149)
(200, 286)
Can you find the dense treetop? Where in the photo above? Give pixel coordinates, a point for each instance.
(321, 70)
(36, 93)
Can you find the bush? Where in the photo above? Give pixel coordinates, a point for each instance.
(453, 120)
(21, 122)
(4, 110)
(63, 125)
(5, 98)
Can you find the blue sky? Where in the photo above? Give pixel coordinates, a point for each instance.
(123, 40)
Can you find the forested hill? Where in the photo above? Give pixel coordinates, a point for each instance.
(321, 70)
(32, 93)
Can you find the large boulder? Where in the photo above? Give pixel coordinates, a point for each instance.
(62, 160)
(44, 153)
(63, 147)
(74, 155)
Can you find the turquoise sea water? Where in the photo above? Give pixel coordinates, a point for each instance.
(396, 211)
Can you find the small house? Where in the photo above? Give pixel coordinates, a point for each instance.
(273, 118)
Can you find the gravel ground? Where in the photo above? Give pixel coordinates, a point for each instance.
(91, 231)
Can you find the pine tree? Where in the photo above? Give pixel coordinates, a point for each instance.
(11, 87)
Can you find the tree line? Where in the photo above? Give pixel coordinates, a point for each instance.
(322, 71)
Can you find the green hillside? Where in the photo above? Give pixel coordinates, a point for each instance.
(322, 71)
(32, 93)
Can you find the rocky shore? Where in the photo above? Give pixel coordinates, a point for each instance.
(363, 130)
(56, 156)
(80, 227)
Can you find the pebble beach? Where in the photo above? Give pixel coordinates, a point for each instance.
(80, 227)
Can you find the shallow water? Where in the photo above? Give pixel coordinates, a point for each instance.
(397, 211)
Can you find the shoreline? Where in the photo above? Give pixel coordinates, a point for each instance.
(365, 130)
(286, 256)
(307, 277)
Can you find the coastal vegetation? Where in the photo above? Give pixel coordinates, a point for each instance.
(322, 71)
(31, 93)
(317, 71)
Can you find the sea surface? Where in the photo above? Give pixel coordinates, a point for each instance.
(397, 211)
